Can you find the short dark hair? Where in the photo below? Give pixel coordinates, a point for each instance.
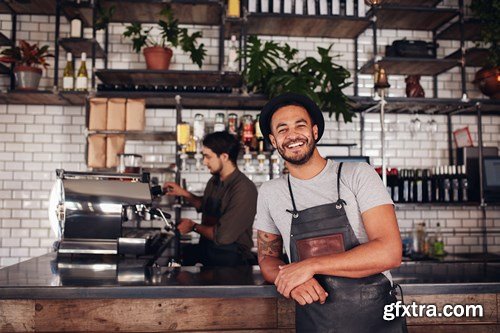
(223, 142)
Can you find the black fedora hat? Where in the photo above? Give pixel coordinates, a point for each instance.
(290, 99)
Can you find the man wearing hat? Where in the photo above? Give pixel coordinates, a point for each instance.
(336, 222)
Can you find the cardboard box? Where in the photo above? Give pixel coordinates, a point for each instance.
(116, 114)
(96, 151)
(136, 112)
(115, 144)
(98, 114)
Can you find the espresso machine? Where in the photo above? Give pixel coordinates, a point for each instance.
(101, 213)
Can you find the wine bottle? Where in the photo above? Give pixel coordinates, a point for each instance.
(446, 184)
(232, 57)
(69, 74)
(455, 184)
(464, 185)
(82, 78)
(76, 28)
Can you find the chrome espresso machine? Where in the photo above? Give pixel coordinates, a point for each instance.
(102, 213)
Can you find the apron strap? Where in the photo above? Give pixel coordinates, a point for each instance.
(294, 212)
(339, 201)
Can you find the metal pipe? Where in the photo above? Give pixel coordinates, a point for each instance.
(382, 135)
(434, 77)
(94, 41)
(220, 66)
(56, 42)
(362, 132)
(481, 177)
(356, 69)
(462, 48)
(450, 140)
(13, 37)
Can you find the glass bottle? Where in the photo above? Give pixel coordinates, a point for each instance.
(464, 185)
(69, 74)
(232, 57)
(220, 123)
(232, 124)
(199, 127)
(248, 130)
(82, 77)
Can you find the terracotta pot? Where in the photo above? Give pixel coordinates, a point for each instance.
(157, 57)
(488, 81)
(27, 78)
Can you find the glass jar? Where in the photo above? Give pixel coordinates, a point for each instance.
(199, 127)
(183, 133)
(220, 122)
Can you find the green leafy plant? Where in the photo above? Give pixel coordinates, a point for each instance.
(104, 16)
(171, 35)
(320, 79)
(26, 55)
(488, 13)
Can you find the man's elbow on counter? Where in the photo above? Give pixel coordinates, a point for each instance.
(395, 259)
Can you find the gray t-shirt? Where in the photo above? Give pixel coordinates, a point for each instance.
(360, 187)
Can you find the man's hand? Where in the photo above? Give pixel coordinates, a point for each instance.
(292, 275)
(309, 292)
(173, 189)
(185, 226)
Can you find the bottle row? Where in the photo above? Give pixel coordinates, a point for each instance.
(439, 184)
(246, 129)
(80, 81)
(302, 7)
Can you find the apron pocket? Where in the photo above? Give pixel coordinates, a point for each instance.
(320, 246)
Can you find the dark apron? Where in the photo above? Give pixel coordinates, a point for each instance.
(353, 305)
(211, 254)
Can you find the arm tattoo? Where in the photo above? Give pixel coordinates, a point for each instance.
(269, 244)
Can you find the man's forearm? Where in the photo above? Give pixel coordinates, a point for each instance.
(366, 259)
(194, 200)
(269, 267)
(206, 231)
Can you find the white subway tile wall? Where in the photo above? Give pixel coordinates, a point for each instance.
(36, 140)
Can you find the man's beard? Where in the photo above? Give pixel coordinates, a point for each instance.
(298, 159)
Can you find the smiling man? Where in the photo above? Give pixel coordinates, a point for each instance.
(227, 207)
(336, 222)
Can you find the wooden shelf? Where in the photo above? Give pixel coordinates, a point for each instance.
(169, 78)
(205, 12)
(140, 135)
(78, 45)
(72, 10)
(33, 7)
(74, 97)
(4, 8)
(474, 57)
(431, 106)
(4, 69)
(419, 3)
(43, 97)
(4, 40)
(412, 18)
(305, 25)
(472, 31)
(33, 97)
(411, 66)
(193, 100)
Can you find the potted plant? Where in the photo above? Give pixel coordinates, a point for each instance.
(320, 79)
(27, 59)
(158, 52)
(488, 78)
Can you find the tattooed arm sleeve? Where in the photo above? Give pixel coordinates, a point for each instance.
(270, 248)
